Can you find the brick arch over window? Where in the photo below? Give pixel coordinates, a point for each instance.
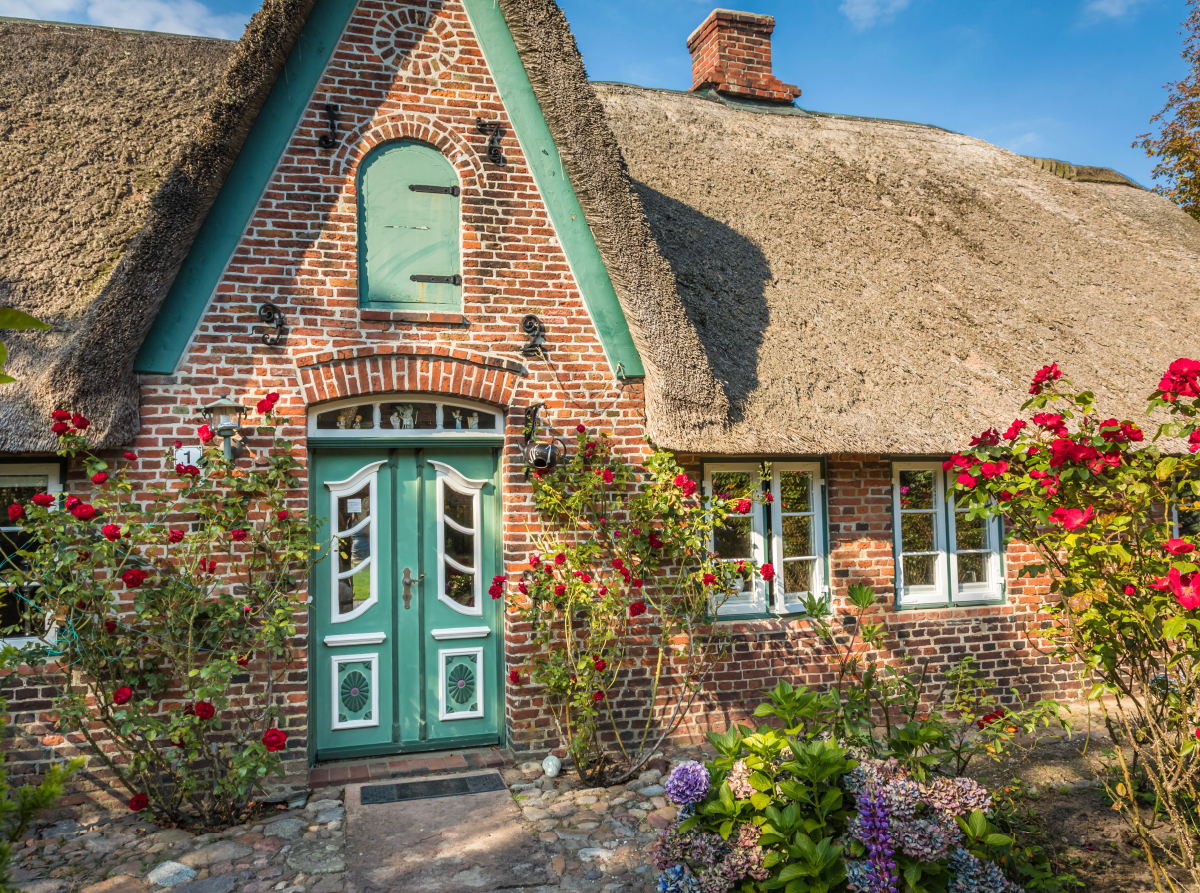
(448, 373)
(460, 151)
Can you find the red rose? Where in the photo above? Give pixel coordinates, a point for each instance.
(534, 561)
(122, 695)
(237, 535)
(681, 480)
(243, 662)
(600, 665)
(580, 428)
(1045, 375)
(60, 415)
(560, 559)
(205, 434)
(1130, 589)
(204, 710)
(967, 480)
(16, 512)
(637, 609)
(1052, 422)
(134, 577)
(1185, 588)
(495, 591)
(1178, 547)
(84, 512)
(178, 468)
(990, 437)
(60, 428)
(597, 696)
(283, 515)
(1072, 519)
(560, 590)
(1194, 440)
(175, 536)
(110, 626)
(618, 563)
(79, 422)
(132, 457)
(603, 590)
(274, 739)
(138, 802)
(636, 584)
(1181, 380)
(178, 444)
(273, 397)
(767, 571)
(522, 588)
(191, 470)
(264, 406)
(99, 477)
(636, 531)
(514, 677)
(112, 532)
(743, 507)
(709, 579)
(1014, 430)
(608, 479)
(1004, 495)
(993, 469)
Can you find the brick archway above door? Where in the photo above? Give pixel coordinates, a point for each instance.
(448, 373)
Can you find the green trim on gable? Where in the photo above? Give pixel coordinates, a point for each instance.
(239, 196)
(541, 154)
(218, 238)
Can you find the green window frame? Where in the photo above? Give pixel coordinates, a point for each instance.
(409, 229)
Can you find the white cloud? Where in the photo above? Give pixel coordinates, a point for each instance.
(174, 16)
(865, 13)
(1111, 9)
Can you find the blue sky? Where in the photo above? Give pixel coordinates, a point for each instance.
(1070, 79)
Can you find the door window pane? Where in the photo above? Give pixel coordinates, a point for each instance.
(460, 547)
(459, 508)
(794, 492)
(352, 571)
(916, 490)
(797, 537)
(407, 416)
(460, 586)
(353, 509)
(348, 418)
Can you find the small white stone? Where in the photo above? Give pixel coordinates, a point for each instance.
(552, 765)
(168, 874)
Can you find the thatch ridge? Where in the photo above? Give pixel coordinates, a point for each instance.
(680, 384)
(91, 370)
(888, 288)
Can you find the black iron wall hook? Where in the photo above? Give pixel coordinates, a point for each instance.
(494, 131)
(272, 318)
(536, 330)
(328, 141)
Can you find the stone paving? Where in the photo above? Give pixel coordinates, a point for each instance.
(294, 851)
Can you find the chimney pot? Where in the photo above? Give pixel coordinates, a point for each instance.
(731, 53)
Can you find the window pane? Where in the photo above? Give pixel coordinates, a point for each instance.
(972, 568)
(405, 416)
(733, 484)
(12, 608)
(916, 533)
(970, 534)
(916, 489)
(21, 487)
(459, 507)
(353, 509)
(919, 570)
(733, 540)
(794, 490)
(460, 546)
(457, 418)
(353, 550)
(798, 575)
(353, 591)
(348, 418)
(1189, 522)
(797, 537)
(460, 587)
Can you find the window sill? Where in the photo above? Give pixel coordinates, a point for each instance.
(947, 606)
(413, 316)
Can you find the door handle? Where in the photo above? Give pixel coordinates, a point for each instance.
(408, 581)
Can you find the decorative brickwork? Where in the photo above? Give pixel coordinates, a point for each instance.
(731, 53)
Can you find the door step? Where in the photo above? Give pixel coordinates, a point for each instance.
(433, 763)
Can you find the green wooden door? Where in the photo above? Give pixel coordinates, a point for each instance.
(409, 219)
(405, 644)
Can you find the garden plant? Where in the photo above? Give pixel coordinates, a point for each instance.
(170, 613)
(621, 597)
(1109, 509)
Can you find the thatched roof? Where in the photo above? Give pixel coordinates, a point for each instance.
(882, 287)
(113, 145)
(795, 283)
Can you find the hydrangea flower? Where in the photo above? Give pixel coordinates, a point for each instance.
(677, 880)
(928, 840)
(687, 783)
(956, 796)
(969, 874)
(739, 781)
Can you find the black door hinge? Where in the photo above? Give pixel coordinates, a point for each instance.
(439, 190)
(445, 280)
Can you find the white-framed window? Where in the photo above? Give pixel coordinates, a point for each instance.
(404, 415)
(19, 482)
(743, 537)
(799, 543)
(355, 573)
(942, 557)
(459, 543)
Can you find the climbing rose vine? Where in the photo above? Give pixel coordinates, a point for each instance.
(172, 613)
(1111, 510)
(621, 596)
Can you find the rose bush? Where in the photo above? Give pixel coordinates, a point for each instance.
(172, 613)
(1110, 513)
(621, 598)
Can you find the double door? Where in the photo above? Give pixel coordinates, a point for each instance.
(405, 653)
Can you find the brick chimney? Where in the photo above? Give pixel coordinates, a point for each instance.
(731, 53)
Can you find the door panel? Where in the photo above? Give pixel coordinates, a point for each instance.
(405, 644)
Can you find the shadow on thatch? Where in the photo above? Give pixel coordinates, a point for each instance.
(721, 278)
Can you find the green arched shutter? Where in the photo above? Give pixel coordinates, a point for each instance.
(407, 232)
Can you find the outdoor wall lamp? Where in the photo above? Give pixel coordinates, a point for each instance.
(225, 419)
(540, 456)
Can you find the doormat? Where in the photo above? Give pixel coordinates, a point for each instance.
(449, 786)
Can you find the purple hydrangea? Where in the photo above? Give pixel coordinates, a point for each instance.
(687, 783)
